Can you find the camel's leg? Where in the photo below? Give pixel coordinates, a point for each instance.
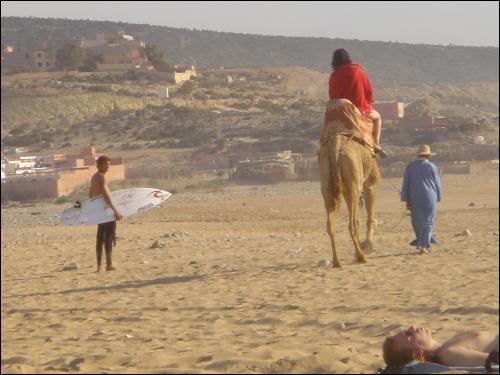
(330, 192)
(371, 222)
(330, 227)
(351, 196)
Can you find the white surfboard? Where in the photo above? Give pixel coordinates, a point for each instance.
(128, 202)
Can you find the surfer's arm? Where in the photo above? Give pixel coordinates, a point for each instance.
(110, 204)
(107, 198)
(91, 186)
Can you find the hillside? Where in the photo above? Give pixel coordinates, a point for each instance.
(384, 61)
(472, 99)
(121, 112)
(66, 100)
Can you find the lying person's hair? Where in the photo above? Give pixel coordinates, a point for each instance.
(393, 357)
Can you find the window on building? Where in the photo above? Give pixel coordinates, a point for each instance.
(47, 64)
(39, 64)
(38, 54)
(27, 56)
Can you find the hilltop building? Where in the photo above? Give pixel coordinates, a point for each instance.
(268, 166)
(115, 52)
(39, 59)
(183, 73)
(107, 52)
(111, 51)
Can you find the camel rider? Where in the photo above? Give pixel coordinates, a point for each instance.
(348, 81)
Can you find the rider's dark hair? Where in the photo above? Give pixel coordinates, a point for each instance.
(340, 57)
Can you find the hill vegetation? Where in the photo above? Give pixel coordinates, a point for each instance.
(122, 111)
(384, 61)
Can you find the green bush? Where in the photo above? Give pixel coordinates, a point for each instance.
(269, 106)
(70, 57)
(187, 88)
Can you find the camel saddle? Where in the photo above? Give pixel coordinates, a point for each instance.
(342, 117)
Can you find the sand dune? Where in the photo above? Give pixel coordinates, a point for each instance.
(236, 285)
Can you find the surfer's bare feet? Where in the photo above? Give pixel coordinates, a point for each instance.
(424, 251)
(110, 268)
(98, 269)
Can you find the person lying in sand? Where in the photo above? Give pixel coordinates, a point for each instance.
(473, 348)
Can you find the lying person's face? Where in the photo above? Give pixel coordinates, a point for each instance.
(413, 338)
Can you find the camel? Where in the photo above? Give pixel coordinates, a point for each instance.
(348, 167)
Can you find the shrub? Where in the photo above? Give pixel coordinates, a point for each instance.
(269, 106)
(187, 88)
(70, 57)
(99, 89)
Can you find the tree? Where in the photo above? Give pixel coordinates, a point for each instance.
(186, 88)
(69, 57)
(155, 57)
(90, 64)
(419, 107)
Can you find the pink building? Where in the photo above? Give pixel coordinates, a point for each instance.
(418, 122)
(392, 111)
(441, 121)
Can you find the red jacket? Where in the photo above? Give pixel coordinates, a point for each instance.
(350, 82)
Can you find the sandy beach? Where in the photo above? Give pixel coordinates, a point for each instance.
(238, 283)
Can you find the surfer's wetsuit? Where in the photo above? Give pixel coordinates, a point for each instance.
(106, 235)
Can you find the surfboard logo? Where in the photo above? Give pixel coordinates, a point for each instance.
(156, 194)
(140, 209)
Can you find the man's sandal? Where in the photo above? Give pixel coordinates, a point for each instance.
(380, 152)
(492, 359)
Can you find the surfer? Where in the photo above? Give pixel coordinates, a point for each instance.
(106, 232)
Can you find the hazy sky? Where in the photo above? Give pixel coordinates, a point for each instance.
(460, 23)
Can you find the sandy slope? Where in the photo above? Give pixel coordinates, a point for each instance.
(236, 286)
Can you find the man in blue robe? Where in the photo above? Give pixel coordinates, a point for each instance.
(421, 191)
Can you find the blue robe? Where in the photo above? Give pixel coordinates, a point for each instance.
(422, 188)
